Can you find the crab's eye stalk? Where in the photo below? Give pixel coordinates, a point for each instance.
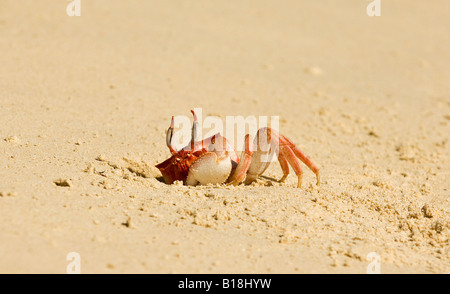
(169, 135)
(195, 131)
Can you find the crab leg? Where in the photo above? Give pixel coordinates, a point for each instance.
(289, 155)
(240, 172)
(284, 166)
(302, 156)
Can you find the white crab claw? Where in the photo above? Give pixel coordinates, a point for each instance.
(209, 168)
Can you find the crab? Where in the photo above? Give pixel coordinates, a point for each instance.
(215, 161)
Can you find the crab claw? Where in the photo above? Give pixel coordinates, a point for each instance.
(209, 168)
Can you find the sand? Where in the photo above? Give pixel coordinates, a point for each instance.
(85, 102)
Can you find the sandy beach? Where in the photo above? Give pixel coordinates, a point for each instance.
(85, 102)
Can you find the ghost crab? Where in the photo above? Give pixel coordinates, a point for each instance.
(215, 161)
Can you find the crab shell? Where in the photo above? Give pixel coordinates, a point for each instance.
(204, 164)
(176, 168)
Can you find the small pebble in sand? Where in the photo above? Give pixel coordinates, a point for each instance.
(428, 211)
(110, 266)
(128, 223)
(63, 183)
(373, 134)
(8, 194)
(101, 157)
(12, 139)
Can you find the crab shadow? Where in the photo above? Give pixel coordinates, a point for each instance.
(160, 179)
(269, 179)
